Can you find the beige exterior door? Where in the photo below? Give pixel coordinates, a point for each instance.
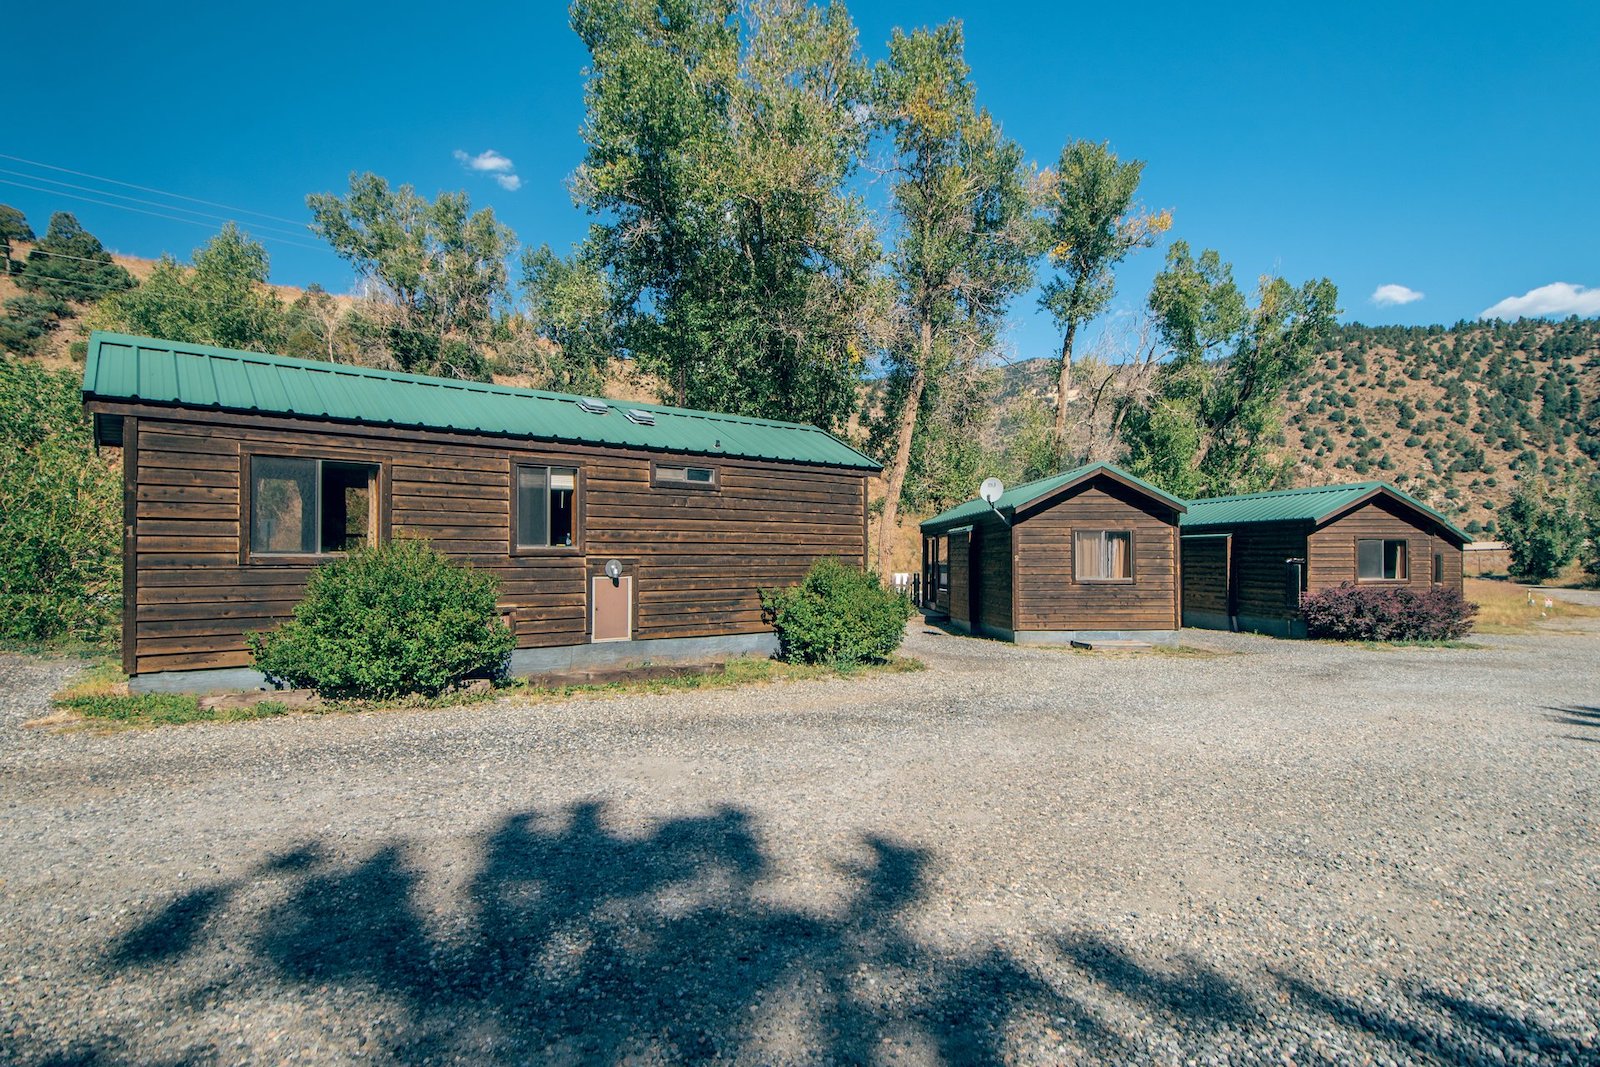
(612, 602)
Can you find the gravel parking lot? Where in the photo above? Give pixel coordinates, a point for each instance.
(1278, 852)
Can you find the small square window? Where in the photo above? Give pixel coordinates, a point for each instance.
(1379, 560)
(546, 507)
(1102, 555)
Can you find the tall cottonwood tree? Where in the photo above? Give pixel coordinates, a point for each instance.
(1215, 407)
(720, 140)
(436, 272)
(1090, 224)
(962, 246)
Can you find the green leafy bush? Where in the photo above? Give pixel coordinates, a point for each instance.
(388, 619)
(839, 615)
(60, 512)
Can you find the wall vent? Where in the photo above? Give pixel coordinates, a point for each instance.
(593, 406)
(643, 418)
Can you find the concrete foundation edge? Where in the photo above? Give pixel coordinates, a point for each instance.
(525, 662)
(1066, 637)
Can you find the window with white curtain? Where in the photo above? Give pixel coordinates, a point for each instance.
(1102, 555)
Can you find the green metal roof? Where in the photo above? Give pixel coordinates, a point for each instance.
(1027, 493)
(127, 368)
(1311, 505)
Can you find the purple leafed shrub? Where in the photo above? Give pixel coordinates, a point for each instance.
(1378, 613)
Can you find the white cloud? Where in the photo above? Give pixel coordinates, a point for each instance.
(492, 163)
(1557, 298)
(489, 160)
(1391, 294)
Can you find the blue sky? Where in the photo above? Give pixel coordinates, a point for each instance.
(1452, 149)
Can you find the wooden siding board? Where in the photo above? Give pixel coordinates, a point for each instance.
(1331, 548)
(194, 592)
(1049, 598)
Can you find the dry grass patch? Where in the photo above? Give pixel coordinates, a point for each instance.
(746, 670)
(99, 699)
(1504, 608)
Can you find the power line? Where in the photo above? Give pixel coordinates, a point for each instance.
(155, 214)
(151, 203)
(148, 189)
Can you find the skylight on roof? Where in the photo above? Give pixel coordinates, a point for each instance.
(640, 416)
(593, 406)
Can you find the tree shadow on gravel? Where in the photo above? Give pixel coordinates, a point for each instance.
(575, 943)
(1445, 1028)
(1576, 715)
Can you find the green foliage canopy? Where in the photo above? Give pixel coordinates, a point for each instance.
(1542, 529)
(68, 266)
(1090, 225)
(439, 269)
(223, 299)
(571, 305)
(1218, 402)
(963, 249)
(60, 512)
(720, 138)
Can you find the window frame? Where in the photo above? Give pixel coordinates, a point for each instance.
(580, 524)
(1402, 572)
(1133, 572)
(659, 482)
(379, 522)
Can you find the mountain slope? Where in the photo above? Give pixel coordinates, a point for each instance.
(1454, 415)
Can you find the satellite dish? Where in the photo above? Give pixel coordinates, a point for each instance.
(991, 489)
(613, 569)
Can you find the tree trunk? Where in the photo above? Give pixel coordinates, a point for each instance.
(1062, 389)
(902, 452)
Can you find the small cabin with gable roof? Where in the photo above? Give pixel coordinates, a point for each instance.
(1247, 560)
(245, 472)
(1091, 554)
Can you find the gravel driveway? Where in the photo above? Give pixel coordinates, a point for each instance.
(1283, 852)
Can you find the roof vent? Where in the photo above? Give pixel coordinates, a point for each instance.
(593, 406)
(640, 416)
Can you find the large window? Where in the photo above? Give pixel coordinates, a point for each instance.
(309, 507)
(1102, 555)
(1381, 560)
(546, 507)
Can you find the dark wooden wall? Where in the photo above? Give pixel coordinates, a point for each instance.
(1331, 549)
(1205, 575)
(698, 557)
(1260, 554)
(994, 574)
(958, 601)
(1047, 595)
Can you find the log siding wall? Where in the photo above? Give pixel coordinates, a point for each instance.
(1047, 595)
(697, 556)
(1331, 548)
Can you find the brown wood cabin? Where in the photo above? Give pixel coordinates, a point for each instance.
(1091, 554)
(244, 472)
(1247, 560)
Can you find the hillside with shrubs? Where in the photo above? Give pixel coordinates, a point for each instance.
(1458, 416)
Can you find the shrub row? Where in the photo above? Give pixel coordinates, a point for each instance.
(1370, 613)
